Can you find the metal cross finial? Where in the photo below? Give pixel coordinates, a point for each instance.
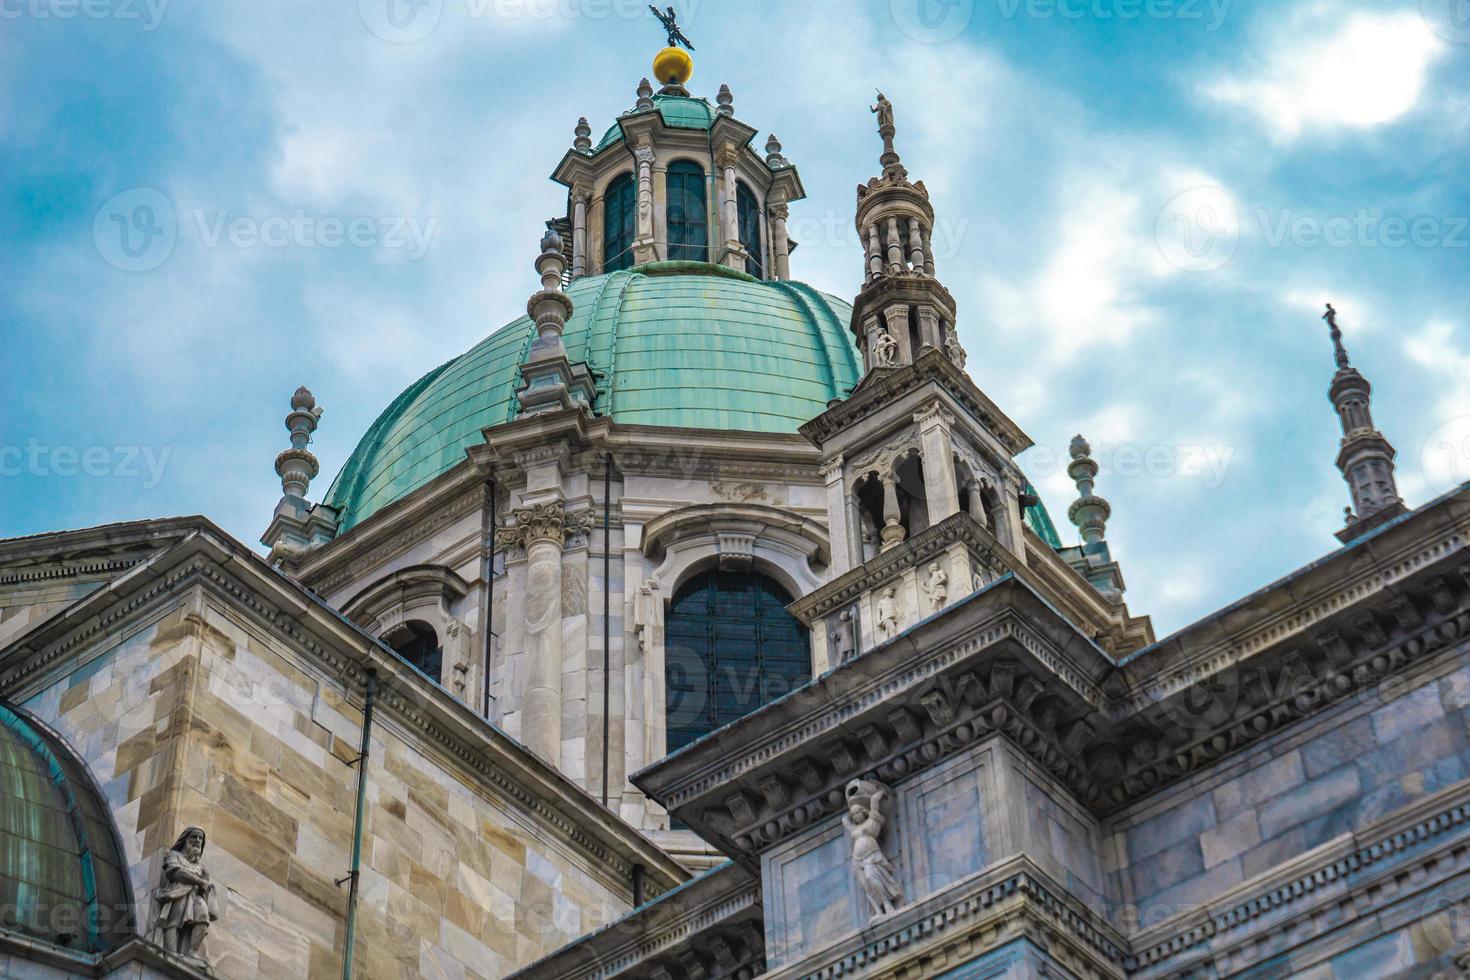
(676, 36)
(1339, 351)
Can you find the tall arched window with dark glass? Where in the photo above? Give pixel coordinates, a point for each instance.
(417, 643)
(687, 220)
(748, 216)
(619, 206)
(730, 647)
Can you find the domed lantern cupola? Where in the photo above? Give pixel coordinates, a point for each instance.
(677, 179)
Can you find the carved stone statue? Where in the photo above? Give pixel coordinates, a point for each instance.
(885, 350)
(187, 900)
(843, 638)
(936, 586)
(954, 350)
(884, 111)
(864, 824)
(888, 613)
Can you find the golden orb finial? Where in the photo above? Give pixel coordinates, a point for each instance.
(673, 66)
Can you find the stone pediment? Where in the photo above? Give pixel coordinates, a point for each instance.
(735, 519)
(884, 388)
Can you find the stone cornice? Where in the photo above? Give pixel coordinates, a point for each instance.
(1408, 849)
(209, 559)
(933, 367)
(1012, 899)
(733, 516)
(720, 907)
(103, 551)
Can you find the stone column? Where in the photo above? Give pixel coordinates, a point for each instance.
(939, 480)
(977, 503)
(541, 531)
(854, 528)
(875, 253)
(916, 246)
(780, 241)
(897, 321)
(1013, 533)
(928, 254)
(643, 245)
(929, 332)
(729, 218)
(893, 532)
(895, 247)
(838, 516)
(579, 232)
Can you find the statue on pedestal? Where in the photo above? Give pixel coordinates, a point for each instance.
(187, 900)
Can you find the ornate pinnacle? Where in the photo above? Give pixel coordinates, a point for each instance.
(297, 465)
(726, 100)
(645, 95)
(884, 111)
(1089, 512)
(774, 158)
(583, 133)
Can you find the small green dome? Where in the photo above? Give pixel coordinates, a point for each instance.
(670, 343)
(679, 112)
(62, 876)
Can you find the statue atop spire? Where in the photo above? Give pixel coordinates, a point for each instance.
(884, 111)
(1338, 349)
(1366, 457)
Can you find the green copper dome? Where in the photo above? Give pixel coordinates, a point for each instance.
(679, 112)
(670, 343)
(62, 875)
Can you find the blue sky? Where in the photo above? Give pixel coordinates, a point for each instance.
(1142, 206)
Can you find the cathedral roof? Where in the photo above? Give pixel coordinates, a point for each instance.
(62, 876)
(682, 344)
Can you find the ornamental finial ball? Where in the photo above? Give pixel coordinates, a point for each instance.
(673, 66)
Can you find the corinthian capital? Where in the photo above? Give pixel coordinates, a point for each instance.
(540, 522)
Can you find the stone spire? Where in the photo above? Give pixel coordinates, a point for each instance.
(299, 525)
(645, 95)
(297, 466)
(583, 136)
(726, 101)
(1366, 457)
(1093, 560)
(1089, 512)
(774, 158)
(903, 309)
(551, 381)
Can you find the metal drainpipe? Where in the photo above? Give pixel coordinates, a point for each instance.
(606, 615)
(355, 875)
(487, 613)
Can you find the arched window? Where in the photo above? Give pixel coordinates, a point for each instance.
(417, 643)
(619, 204)
(748, 216)
(687, 221)
(731, 647)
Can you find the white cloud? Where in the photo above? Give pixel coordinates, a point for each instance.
(1370, 71)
